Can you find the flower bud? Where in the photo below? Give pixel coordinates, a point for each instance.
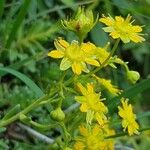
(57, 114)
(82, 23)
(133, 76)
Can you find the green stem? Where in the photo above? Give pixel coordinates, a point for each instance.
(69, 81)
(25, 111)
(125, 133)
(42, 126)
(107, 59)
(61, 84)
(66, 135)
(81, 38)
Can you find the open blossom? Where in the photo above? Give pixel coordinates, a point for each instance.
(122, 28)
(126, 113)
(94, 139)
(99, 53)
(92, 104)
(108, 85)
(73, 56)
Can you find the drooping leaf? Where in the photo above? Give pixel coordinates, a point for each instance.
(25, 79)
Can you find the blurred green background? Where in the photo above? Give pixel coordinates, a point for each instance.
(27, 31)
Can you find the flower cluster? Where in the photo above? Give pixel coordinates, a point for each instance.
(77, 56)
(74, 55)
(85, 57)
(94, 139)
(92, 104)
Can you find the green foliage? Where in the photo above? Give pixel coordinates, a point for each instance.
(27, 31)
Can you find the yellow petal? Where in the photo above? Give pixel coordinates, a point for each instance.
(79, 146)
(56, 54)
(92, 62)
(115, 34)
(136, 38)
(80, 99)
(90, 88)
(84, 107)
(119, 19)
(101, 119)
(89, 116)
(136, 29)
(83, 131)
(82, 89)
(125, 38)
(88, 48)
(108, 29)
(76, 68)
(107, 20)
(65, 64)
(61, 44)
(96, 130)
(84, 67)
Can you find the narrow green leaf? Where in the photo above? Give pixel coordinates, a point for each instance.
(25, 79)
(12, 112)
(2, 2)
(18, 21)
(125, 133)
(130, 93)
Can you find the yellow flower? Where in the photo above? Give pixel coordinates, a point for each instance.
(122, 28)
(92, 104)
(93, 139)
(102, 55)
(108, 85)
(98, 53)
(73, 55)
(126, 113)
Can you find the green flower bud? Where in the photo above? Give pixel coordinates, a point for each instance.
(82, 23)
(57, 114)
(133, 76)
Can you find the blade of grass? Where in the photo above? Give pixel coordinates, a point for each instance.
(18, 22)
(130, 93)
(2, 3)
(25, 79)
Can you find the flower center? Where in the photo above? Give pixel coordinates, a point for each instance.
(92, 142)
(93, 100)
(122, 28)
(74, 53)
